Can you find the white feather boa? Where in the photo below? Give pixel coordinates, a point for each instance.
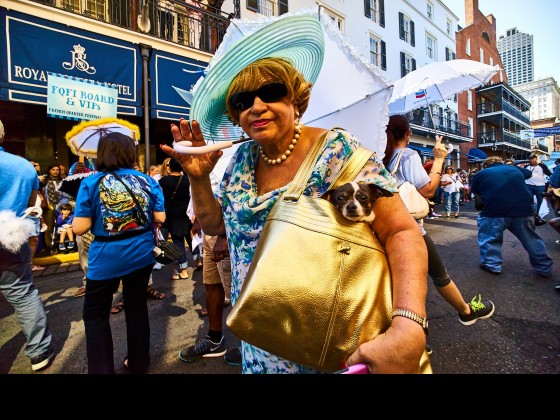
(14, 231)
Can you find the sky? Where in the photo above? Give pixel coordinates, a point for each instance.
(537, 17)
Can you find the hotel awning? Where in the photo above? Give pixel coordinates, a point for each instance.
(33, 47)
(173, 77)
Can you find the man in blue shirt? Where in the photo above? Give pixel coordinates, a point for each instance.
(507, 204)
(18, 192)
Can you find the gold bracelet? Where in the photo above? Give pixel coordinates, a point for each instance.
(439, 173)
(420, 320)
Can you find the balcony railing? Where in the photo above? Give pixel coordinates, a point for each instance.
(175, 21)
(489, 107)
(496, 136)
(422, 118)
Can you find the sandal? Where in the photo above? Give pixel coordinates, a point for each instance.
(177, 276)
(203, 313)
(37, 268)
(118, 307)
(154, 294)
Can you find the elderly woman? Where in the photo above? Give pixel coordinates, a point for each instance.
(267, 99)
(120, 206)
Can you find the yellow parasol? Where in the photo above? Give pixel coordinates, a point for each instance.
(84, 137)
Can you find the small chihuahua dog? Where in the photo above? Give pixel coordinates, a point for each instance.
(355, 200)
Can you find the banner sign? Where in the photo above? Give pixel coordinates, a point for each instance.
(546, 131)
(539, 132)
(32, 48)
(72, 98)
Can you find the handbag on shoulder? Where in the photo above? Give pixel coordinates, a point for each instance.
(319, 284)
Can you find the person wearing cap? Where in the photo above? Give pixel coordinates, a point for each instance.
(507, 204)
(263, 84)
(18, 192)
(536, 185)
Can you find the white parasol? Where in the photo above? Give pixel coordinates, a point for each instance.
(84, 137)
(436, 82)
(349, 92)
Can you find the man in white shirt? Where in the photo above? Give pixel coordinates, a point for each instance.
(536, 185)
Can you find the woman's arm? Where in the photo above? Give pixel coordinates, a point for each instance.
(81, 225)
(400, 348)
(436, 171)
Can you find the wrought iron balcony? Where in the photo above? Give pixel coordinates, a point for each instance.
(200, 27)
(421, 119)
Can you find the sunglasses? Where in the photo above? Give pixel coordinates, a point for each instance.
(270, 92)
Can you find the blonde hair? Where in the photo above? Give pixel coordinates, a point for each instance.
(493, 159)
(163, 167)
(272, 70)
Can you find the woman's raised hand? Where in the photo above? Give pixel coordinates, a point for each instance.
(439, 151)
(194, 165)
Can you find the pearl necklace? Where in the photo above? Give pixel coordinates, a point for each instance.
(297, 131)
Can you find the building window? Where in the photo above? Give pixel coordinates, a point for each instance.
(471, 127)
(431, 47)
(469, 100)
(449, 26)
(71, 5)
(338, 20)
(408, 64)
(491, 61)
(377, 53)
(481, 55)
(449, 54)
(430, 10)
(406, 29)
(375, 10)
(95, 9)
(468, 47)
(263, 7)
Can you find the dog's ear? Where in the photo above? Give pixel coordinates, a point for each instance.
(377, 191)
(328, 195)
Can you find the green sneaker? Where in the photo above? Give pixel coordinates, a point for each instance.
(479, 310)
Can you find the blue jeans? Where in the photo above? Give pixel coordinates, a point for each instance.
(180, 242)
(16, 284)
(536, 191)
(491, 235)
(96, 313)
(451, 201)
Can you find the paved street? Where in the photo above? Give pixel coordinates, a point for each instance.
(523, 336)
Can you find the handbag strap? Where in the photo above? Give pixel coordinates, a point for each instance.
(143, 219)
(351, 168)
(176, 188)
(174, 192)
(397, 162)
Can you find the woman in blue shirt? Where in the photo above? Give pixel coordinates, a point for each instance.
(120, 205)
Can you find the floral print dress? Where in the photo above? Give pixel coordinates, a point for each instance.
(245, 213)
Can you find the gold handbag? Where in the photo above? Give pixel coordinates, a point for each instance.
(319, 284)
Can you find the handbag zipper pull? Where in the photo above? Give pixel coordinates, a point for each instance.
(344, 248)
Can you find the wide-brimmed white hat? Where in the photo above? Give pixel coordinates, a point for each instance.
(299, 39)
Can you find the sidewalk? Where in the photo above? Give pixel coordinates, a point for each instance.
(58, 263)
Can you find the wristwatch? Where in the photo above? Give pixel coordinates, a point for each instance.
(420, 320)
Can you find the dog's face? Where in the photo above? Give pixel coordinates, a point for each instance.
(355, 200)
